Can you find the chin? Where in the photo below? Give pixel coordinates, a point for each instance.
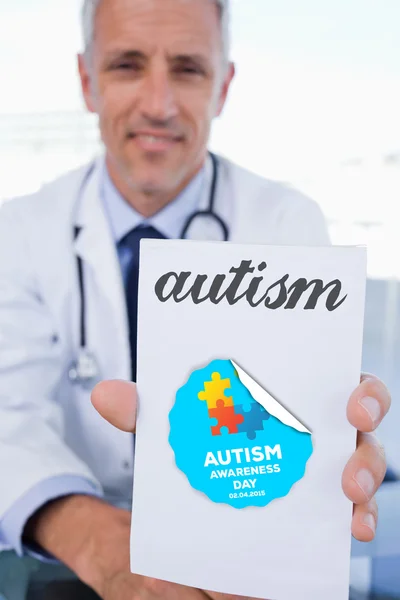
(152, 186)
(157, 183)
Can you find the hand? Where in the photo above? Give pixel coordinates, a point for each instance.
(366, 469)
(363, 474)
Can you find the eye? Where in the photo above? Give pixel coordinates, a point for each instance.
(189, 70)
(125, 66)
(192, 70)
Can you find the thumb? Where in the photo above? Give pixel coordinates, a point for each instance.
(116, 402)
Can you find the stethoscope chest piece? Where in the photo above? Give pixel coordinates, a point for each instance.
(85, 370)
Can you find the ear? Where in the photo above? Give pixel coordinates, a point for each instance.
(86, 83)
(230, 74)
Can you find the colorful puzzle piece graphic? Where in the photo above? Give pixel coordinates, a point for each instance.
(215, 390)
(253, 420)
(226, 417)
(253, 414)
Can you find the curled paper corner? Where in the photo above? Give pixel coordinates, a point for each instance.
(266, 400)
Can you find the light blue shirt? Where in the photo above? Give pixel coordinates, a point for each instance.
(122, 218)
(170, 221)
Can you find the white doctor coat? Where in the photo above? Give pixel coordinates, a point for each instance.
(48, 426)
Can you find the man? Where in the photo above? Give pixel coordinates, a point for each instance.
(157, 73)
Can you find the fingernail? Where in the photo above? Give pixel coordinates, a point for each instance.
(373, 408)
(365, 480)
(369, 521)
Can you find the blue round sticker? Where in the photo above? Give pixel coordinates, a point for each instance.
(228, 446)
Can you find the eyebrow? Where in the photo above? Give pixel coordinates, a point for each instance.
(124, 55)
(138, 55)
(197, 58)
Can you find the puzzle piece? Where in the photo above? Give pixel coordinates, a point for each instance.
(253, 420)
(215, 390)
(240, 393)
(226, 417)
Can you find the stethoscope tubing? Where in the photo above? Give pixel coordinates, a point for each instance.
(210, 211)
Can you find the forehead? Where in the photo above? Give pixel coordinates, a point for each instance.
(178, 25)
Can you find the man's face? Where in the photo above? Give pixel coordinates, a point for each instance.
(156, 78)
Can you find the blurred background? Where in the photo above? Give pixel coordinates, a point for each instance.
(315, 103)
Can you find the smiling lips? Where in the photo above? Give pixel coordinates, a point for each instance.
(154, 141)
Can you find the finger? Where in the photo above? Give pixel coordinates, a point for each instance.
(365, 470)
(365, 520)
(368, 404)
(116, 401)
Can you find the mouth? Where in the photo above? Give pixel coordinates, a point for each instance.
(154, 142)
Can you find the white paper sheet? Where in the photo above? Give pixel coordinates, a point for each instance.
(297, 546)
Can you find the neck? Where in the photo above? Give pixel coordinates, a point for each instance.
(146, 203)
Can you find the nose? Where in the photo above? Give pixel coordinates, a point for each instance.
(158, 97)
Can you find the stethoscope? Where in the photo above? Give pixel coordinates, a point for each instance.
(84, 370)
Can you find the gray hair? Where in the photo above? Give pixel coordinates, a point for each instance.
(89, 13)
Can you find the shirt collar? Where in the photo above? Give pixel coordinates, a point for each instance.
(169, 221)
